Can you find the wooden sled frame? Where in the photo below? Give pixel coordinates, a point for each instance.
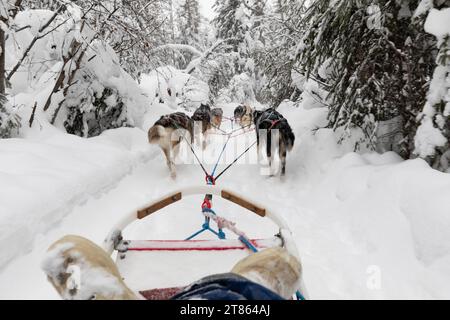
(177, 195)
(114, 239)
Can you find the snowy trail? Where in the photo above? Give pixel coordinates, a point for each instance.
(95, 218)
(361, 223)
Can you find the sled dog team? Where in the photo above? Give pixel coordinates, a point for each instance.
(170, 130)
(271, 274)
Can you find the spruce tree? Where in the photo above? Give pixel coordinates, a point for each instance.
(188, 25)
(189, 21)
(432, 140)
(9, 121)
(379, 60)
(282, 31)
(230, 23)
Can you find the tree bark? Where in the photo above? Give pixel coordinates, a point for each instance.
(2, 63)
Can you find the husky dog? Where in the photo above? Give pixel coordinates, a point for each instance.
(272, 269)
(168, 132)
(243, 115)
(269, 120)
(202, 115)
(217, 114)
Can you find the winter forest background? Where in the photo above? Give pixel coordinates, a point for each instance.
(380, 67)
(364, 84)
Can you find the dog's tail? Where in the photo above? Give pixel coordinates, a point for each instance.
(288, 137)
(156, 133)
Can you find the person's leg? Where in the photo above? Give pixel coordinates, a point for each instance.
(274, 268)
(81, 270)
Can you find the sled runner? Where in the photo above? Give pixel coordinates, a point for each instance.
(153, 267)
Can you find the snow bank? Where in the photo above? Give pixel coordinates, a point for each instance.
(357, 218)
(43, 178)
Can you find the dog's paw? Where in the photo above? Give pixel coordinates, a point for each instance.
(173, 175)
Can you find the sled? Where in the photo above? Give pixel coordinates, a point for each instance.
(154, 267)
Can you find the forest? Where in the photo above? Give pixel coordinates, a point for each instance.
(380, 67)
(350, 194)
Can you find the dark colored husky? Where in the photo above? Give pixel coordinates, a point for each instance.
(165, 133)
(203, 115)
(269, 120)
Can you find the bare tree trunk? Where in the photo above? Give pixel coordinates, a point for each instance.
(2, 63)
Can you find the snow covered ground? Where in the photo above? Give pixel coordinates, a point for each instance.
(367, 226)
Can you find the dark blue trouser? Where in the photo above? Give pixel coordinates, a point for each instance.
(227, 286)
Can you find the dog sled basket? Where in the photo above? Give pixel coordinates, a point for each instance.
(159, 269)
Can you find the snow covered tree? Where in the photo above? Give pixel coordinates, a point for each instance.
(432, 141)
(9, 122)
(378, 62)
(66, 54)
(231, 22)
(189, 21)
(276, 57)
(131, 28)
(240, 22)
(188, 29)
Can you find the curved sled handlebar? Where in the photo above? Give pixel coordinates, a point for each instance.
(154, 206)
(146, 210)
(166, 201)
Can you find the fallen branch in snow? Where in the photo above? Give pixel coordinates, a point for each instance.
(39, 35)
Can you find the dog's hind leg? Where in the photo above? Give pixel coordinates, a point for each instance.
(258, 147)
(282, 152)
(269, 145)
(170, 163)
(206, 129)
(269, 150)
(176, 150)
(205, 140)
